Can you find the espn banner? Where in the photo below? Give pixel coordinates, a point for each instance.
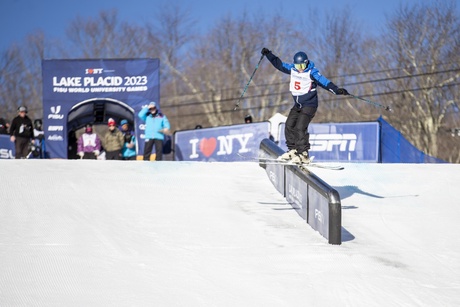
(345, 142)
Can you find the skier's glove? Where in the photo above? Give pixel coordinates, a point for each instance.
(96, 152)
(265, 51)
(342, 91)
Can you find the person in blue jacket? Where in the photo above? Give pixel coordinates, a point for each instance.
(128, 152)
(156, 126)
(305, 78)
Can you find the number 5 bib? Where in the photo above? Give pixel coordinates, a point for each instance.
(300, 83)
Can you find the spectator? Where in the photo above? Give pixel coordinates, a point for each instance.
(38, 147)
(89, 144)
(3, 126)
(38, 129)
(248, 119)
(22, 133)
(156, 126)
(129, 146)
(198, 127)
(113, 141)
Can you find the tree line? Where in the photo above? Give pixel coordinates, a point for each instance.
(412, 64)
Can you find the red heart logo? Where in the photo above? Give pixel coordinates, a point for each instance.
(207, 146)
(90, 71)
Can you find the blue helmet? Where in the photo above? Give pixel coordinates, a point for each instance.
(300, 57)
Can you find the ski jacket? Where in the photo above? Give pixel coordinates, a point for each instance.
(126, 151)
(88, 142)
(154, 123)
(113, 140)
(22, 127)
(303, 84)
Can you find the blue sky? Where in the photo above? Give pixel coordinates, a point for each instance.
(21, 17)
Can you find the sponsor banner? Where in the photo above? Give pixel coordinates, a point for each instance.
(275, 173)
(6, 147)
(228, 143)
(296, 193)
(318, 212)
(70, 84)
(346, 142)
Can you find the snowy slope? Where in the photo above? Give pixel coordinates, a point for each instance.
(100, 233)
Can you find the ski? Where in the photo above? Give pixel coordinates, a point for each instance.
(277, 161)
(303, 165)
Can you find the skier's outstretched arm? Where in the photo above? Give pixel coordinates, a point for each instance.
(276, 62)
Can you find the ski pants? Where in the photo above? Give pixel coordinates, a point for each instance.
(158, 149)
(296, 128)
(113, 155)
(21, 146)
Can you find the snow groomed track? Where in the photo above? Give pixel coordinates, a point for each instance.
(112, 233)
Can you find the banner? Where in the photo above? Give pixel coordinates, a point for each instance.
(346, 142)
(92, 91)
(231, 143)
(6, 147)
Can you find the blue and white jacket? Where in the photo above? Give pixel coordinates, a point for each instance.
(154, 124)
(303, 84)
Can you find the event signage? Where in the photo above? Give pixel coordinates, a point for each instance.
(228, 143)
(345, 142)
(6, 147)
(69, 84)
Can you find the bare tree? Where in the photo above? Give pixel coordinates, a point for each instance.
(339, 47)
(20, 77)
(105, 36)
(423, 41)
(221, 64)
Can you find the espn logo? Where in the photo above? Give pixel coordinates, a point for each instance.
(329, 142)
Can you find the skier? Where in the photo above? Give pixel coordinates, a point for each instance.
(305, 77)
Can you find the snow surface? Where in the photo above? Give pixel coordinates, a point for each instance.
(113, 233)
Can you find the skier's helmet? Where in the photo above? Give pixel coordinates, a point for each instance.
(300, 60)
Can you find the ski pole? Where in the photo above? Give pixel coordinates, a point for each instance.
(237, 105)
(387, 108)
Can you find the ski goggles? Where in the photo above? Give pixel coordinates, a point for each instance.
(300, 66)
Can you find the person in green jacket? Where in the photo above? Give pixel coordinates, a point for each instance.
(113, 142)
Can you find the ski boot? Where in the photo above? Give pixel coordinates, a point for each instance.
(302, 158)
(288, 155)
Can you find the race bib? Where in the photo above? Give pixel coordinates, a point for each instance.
(300, 83)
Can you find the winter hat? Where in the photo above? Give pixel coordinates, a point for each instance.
(152, 104)
(124, 122)
(111, 122)
(22, 109)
